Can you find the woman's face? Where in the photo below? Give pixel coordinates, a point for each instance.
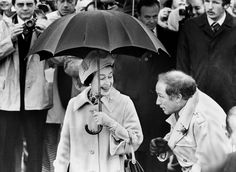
(106, 81)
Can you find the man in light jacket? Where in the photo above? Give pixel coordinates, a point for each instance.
(24, 91)
(198, 129)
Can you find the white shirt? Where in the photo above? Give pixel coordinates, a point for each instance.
(220, 21)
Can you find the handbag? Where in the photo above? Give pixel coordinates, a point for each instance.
(131, 164)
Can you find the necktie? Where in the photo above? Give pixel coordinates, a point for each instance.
(215, 26)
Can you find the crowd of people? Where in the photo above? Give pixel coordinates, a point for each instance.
(176, 110)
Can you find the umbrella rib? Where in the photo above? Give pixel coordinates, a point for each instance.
(108, 31)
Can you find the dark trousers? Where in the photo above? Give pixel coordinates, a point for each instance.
(51, 140)
(32, 124)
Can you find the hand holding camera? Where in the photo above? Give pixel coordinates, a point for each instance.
(29, 26)
(163, 17)
(16, 30)
(187, 12)
(158, 146)
(34, 25)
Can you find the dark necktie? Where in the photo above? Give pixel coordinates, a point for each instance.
(215, 26)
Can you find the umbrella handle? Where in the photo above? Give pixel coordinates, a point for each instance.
(93, 132)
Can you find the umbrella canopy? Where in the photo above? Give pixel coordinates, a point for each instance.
(112, 31)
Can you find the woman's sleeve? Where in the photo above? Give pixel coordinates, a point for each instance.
(63, 151)
(127, 134)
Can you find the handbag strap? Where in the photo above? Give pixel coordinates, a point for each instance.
(133, 155)
(133, 159)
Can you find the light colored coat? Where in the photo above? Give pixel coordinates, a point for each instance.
(198, 138)
(85, 152)
(36, 87)
(56, 113)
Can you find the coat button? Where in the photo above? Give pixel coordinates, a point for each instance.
(91, 152)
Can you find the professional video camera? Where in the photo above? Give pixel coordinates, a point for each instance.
(187, 12)
(29, 25)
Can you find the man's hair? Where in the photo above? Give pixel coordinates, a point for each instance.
(225, 2)
(177, 82)
(14, 1)
(147, 3)
(75, 1)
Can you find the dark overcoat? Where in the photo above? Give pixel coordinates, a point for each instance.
(210, 57)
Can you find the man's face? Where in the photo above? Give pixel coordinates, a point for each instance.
(214, 9)
(66, 7)
(149, 16)
(25, 8)
(167, 104)
(198, 7)
(5, 4)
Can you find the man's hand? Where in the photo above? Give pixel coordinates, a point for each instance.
(163, 17)
(158, 145)
(71, 66)
(41, 25)
(16, 30)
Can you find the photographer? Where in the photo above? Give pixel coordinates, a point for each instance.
(24, 94)
(168, 6)
(179, 15)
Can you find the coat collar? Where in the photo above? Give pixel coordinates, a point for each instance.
(203, 23)
(181, 127)
(107, 101)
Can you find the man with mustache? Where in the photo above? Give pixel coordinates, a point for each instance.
(206, 51)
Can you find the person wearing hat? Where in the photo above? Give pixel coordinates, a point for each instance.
(104, 152)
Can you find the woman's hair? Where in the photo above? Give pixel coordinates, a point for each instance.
(91, 76)
(178, 83)
(147, 3)
(89, 79)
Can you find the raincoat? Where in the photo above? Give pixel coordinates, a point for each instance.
(198, 138)
(103, 152)
(37, 89)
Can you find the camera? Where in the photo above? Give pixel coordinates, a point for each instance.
(187, 12)
(29, 25)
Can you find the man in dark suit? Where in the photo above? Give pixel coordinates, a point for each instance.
(148, 11)
(206, 51)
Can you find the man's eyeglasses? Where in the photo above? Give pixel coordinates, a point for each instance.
(68, 1)
(21, 5)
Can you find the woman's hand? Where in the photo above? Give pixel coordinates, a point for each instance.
(102, 118)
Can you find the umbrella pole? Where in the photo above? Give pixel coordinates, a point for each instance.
(95, 4)
(99, 109)
(133, 1)
(99, 87)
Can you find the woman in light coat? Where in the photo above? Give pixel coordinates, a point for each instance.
(105, 151)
